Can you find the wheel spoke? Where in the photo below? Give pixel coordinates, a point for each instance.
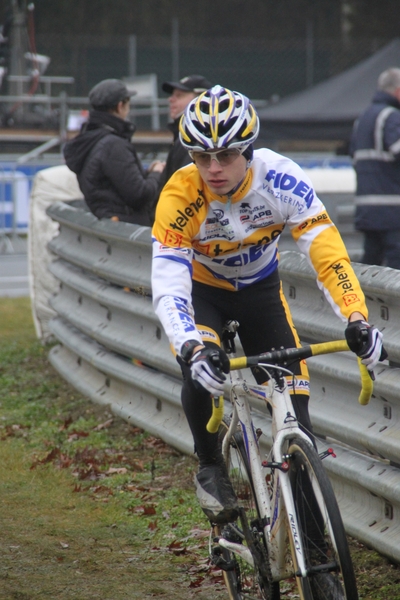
(246, 582)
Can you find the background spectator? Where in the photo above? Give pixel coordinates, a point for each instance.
(375, 147)
(181, 93)
(112, 179)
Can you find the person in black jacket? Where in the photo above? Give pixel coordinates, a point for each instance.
(180, 94)
(375, 147)
(110, 174)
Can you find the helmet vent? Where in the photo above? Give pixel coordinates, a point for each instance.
(224, 128)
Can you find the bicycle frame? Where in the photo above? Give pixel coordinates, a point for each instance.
(272, 509)
(277, 512)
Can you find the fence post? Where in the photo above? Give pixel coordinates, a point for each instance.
(309, 54)
(175, 49)
(132, 55)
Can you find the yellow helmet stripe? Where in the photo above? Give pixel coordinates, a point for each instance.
(182, 130)
(214, 118)
(197, 109)
(253, 120)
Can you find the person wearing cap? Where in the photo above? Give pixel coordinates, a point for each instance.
(180, 94)
(110, 175)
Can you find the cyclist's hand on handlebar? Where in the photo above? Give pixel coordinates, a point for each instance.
(366, 341)
(208, 366)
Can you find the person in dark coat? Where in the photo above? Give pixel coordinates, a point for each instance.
(180, 94)
(375, 147)
(110, 175)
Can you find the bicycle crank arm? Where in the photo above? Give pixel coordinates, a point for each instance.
(243, 552)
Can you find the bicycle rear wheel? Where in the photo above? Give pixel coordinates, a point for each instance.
(243, 581)
(330, 570)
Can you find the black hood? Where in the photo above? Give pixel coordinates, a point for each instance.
(77, 150)
(99, 125)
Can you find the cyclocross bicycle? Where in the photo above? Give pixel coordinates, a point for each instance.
(289, 529)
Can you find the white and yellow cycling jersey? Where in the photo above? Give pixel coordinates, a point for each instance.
(231, 241)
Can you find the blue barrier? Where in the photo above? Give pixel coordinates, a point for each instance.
(15, 188)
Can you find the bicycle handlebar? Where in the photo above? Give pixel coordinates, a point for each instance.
(281, 356)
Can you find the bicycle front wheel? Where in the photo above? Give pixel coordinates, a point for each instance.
(244, 581)
(330, 574)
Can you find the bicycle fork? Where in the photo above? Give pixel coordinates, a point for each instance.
(293, 525)
(284, 504)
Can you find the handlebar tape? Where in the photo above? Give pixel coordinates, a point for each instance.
(306, 352)
(367, 384)
(217, 415)
(242, 362)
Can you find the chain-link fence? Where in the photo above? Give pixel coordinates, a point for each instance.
(259, 68)
(264, 70)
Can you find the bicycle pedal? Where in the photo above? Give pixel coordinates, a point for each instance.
(232, 534)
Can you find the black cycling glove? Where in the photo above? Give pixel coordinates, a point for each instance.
(207, 367)
(366, 341)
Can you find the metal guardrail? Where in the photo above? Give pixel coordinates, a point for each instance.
(113, 349)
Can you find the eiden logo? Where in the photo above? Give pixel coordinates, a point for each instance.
(286, 182)
(184, 315)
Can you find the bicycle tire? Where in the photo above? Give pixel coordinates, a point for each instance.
(244, 582)
(328, 560)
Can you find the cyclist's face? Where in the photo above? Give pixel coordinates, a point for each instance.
(221, 179)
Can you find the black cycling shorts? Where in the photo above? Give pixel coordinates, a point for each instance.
(265, 323)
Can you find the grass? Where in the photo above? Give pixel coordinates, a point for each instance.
(89, 506)
(93, 508)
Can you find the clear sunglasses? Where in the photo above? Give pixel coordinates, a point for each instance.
(223, 157)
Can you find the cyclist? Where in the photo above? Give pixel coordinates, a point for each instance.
(215, 258)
